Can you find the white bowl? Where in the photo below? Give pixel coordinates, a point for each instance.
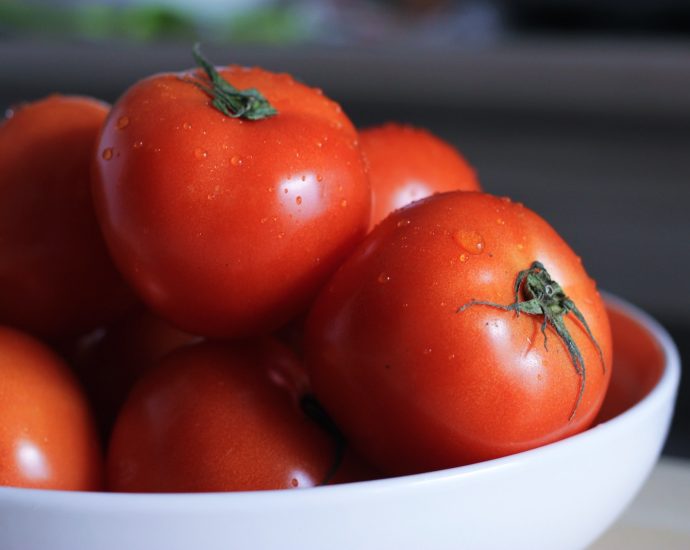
(562, 495)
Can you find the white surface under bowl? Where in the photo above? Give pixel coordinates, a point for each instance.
(562, 495)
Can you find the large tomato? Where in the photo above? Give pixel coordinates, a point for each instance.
(222, 417)
(419, 382)
(227, 226)
(56, 276)
(47, 436)
(407, 164)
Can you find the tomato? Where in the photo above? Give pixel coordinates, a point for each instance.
(227, 227)
(408, 164)
(56, 276)
(221, 417)
(47, 436)
(419, 382)
(110, 360)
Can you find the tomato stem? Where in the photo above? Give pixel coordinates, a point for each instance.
(315, 411)
(227, 99)
(544, 296)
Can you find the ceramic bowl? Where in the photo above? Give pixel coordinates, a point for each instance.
(562, 495)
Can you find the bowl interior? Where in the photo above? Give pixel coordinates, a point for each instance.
(638, 363)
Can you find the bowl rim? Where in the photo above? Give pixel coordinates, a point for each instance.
(657, 397)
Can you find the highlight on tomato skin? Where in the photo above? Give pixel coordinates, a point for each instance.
(48, 439)
(57, 277)
(407, 163)
(250, 217)
(419, 375)
(224, 417)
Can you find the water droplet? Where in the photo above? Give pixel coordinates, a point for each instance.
(298, 200)
(464, 257)
(236, 161)
(138, 144)
(383, 278)
(122, 122)
(343, 203)
(200, 153)
(404, 222)
(319, 144)
(319, 177)
(427, 351)
(294, 482)
(319, 91)
(281, 235)
(451, 357)
(107, 153)
(303, 178)
(187, 126)
(500, 221)
(263, 220)
(520, 246)
(471, 242)
(285, 190)
(506, 200)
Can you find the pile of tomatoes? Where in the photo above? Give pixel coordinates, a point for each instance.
(219, 284)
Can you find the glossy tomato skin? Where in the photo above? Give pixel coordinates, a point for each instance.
(417, 385)
(219, 417)
(228, 227)
(57, 277)
(407, 164)
(47, 436)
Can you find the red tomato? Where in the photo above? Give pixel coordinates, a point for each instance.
(407, 164)
(57, 277)
(47, 436)
(220, 417)
(227, 227)
(109, 361)
(416, 382)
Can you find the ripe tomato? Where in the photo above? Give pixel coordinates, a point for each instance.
(407, 164)
(57, 278)
(109, 361)
(221, 417)
(47, 436)
(227, 227)
(416, 381)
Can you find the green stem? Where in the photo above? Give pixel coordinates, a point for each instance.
(545, 297)
(227, 99)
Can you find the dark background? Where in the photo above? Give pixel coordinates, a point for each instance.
(581, 110)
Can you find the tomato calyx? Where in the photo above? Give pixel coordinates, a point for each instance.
(231, 101)
(315, 412)
(544, 296)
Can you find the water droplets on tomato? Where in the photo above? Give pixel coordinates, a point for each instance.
(236, 161)
(403, 223)
(383, 278)
(122, 122)
(138, 144)
(298, 200)
(107, 153)
(470, 241)
(343, 203)
(186, 126)
(200, 153)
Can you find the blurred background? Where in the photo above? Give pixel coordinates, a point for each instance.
(578, 108)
